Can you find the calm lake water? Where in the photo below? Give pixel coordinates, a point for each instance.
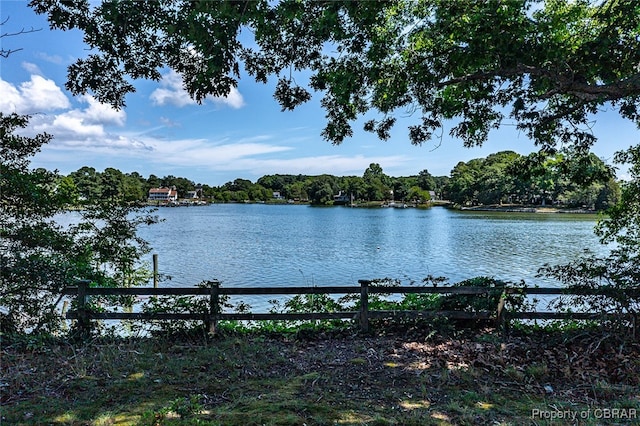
(245, 245)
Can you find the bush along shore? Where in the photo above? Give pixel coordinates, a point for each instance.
(403, 372)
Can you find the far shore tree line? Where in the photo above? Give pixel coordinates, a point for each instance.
(503, 177)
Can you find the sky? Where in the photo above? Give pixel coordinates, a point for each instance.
(163, 132)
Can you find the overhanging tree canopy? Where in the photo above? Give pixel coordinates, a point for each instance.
(545, 66)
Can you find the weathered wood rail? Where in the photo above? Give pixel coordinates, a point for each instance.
(500, 316)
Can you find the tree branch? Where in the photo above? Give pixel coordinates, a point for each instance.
(6, 52)
(564, 85)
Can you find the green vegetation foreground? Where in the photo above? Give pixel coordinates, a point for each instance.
(409, 378)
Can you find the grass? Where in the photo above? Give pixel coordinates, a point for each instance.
(257, 379)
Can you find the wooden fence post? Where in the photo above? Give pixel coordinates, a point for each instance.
(84, 320)
(364, 305)
(155, 270)
(500, 318)
(214, 306)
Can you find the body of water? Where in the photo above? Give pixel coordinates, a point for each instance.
(245, 245)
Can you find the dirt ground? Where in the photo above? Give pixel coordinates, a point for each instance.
(410, 377)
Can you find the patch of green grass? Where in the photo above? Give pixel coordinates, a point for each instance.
(537, 371)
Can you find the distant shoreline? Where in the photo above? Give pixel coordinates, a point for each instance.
(528, 209)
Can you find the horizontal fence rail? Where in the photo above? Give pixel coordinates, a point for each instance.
(500, 315)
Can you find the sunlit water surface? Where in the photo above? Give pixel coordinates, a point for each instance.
(266, 245)
(250, 245)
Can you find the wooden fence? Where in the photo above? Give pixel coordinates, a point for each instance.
(500, 315)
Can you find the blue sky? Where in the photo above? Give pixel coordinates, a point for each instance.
(163, 132)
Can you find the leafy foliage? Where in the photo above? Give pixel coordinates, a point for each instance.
(474, 303)
(40, 257)
(620, 270)
(623, 223)
(546, 66)
(567, 178)
(33, 261)
(614, 272)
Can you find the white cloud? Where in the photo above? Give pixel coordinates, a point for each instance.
(252, 155)
(200, 152)
(10, 100)
(99, 113)
(248, 157)
(36, 95)
(173, 93)
(54, 59)
(71, 124)
(183, 153)
(82, 125)
(44, 94)
(234, 99)
(106, 146)
(31, 68)
(168, 97)
(89, 132)
(167, 122)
